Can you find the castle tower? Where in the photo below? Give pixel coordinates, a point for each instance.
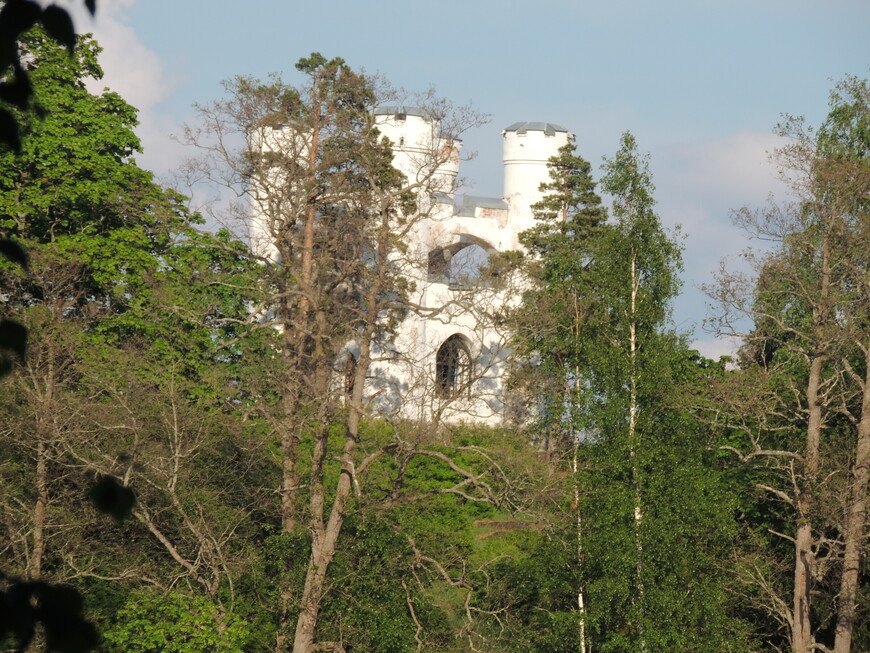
(448, 359)
(528, 147)
(418, 145)
(451, 359)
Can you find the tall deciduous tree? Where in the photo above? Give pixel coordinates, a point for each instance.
(112, 354)
(806, 361)
(16, 18)
(646, 472)
(331, 222)
(844, 144)
(601, 295)
(94, 222)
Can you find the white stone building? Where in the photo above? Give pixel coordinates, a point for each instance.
(448, 359)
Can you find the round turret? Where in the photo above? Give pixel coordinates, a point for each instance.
(418, 145)
(527, 148)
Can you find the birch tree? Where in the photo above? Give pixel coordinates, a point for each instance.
(596, 338)
(637, 436)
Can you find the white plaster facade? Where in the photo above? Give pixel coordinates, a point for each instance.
(449, 359)
(455, 310)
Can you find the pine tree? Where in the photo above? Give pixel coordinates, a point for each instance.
(568, 216)
(548, 328)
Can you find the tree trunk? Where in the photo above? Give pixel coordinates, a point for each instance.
(295, 343)
(856, 519)
(633, 447)
(325, 535)
(581, 599)
(802, 637)
(322, 552)
(323, 547)
(804, 559)
(289, 467)
(35, 564)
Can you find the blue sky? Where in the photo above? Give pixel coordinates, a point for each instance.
(700, 84)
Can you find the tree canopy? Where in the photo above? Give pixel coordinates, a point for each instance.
(211, 394)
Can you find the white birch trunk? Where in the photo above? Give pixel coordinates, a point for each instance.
(633, 444)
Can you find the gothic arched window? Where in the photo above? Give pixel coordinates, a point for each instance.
(453, 368)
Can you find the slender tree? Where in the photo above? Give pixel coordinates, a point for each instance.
(601, 348)
(549, 326)
(330, 221)
(118, 385)
(844, 144)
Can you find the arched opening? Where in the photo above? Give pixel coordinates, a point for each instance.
(465, 266)
(460, 264)
(453, 368)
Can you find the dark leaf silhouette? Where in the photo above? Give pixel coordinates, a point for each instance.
(18, 91)
(110, 496)
(13, 336)
(57, 607)
(59, 26)
(14, 252)
(24, 604)
(9, 130)
(18, 16)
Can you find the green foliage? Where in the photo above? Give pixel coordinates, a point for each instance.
(150, 622)
(549, 323)
(535, 582)
(655, 515)
(569, 219)
(75, 192)
(74, 174)
(115, 297)
(809, 303)
(16, 18)
(846, 130)
(16, 89)
(368, 605)
(657, 512)
(140, 327)
(568, 215)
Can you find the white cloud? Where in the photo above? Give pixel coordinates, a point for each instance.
(736, 168)
(700, 183)
(136, 73)
(131, 69)
(714, 348)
